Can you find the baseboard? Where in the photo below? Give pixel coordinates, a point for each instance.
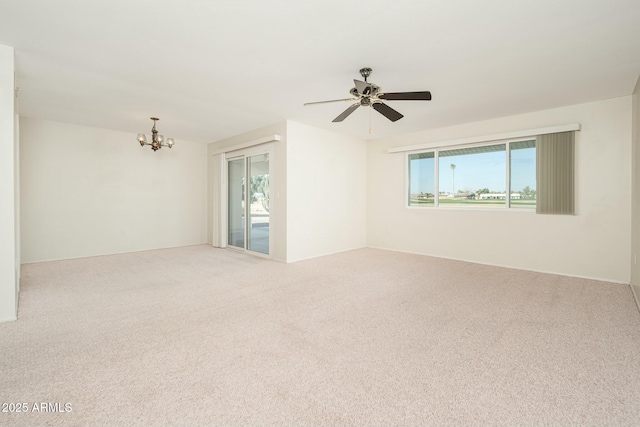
(8, 319)
(327, 254)
(111, 253)
(599, 279)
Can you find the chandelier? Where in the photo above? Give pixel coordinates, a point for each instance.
(157, 141)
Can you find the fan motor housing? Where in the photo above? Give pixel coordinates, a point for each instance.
(375, 89)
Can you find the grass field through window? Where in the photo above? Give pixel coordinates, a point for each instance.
(515, 203)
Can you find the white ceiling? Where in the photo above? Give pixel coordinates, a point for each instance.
(215, 68)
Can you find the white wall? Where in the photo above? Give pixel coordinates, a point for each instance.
(594, 243)
(635, 213)
(278, 186)
(9, 264)
(326, 192)
(88, 191)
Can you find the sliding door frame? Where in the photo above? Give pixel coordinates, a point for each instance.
(244, 153)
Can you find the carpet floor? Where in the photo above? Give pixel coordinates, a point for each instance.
(202, 336)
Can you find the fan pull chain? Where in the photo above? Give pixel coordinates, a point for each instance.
(370, 108)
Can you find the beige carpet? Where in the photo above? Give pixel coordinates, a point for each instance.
(203, 336)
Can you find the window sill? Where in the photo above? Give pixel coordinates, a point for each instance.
(471, 209)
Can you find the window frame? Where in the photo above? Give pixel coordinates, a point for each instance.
(436, 156)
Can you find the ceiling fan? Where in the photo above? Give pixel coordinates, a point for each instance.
(370, 95)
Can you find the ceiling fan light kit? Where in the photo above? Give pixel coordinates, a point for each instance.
(367, 94)
(157, 141)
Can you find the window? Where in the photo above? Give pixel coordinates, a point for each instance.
(489, 175)
(421, 174)
(480, 173)
(523, 174)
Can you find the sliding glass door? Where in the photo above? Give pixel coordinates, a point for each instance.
(258, 210)
(249, 203)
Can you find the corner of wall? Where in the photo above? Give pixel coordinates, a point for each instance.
(326, 192)
(635, 194)
(9, 259)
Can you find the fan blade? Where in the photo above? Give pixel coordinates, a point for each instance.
(406, 96)
(346, 113)
(362, 87)
(333, 100)
(387, 111)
